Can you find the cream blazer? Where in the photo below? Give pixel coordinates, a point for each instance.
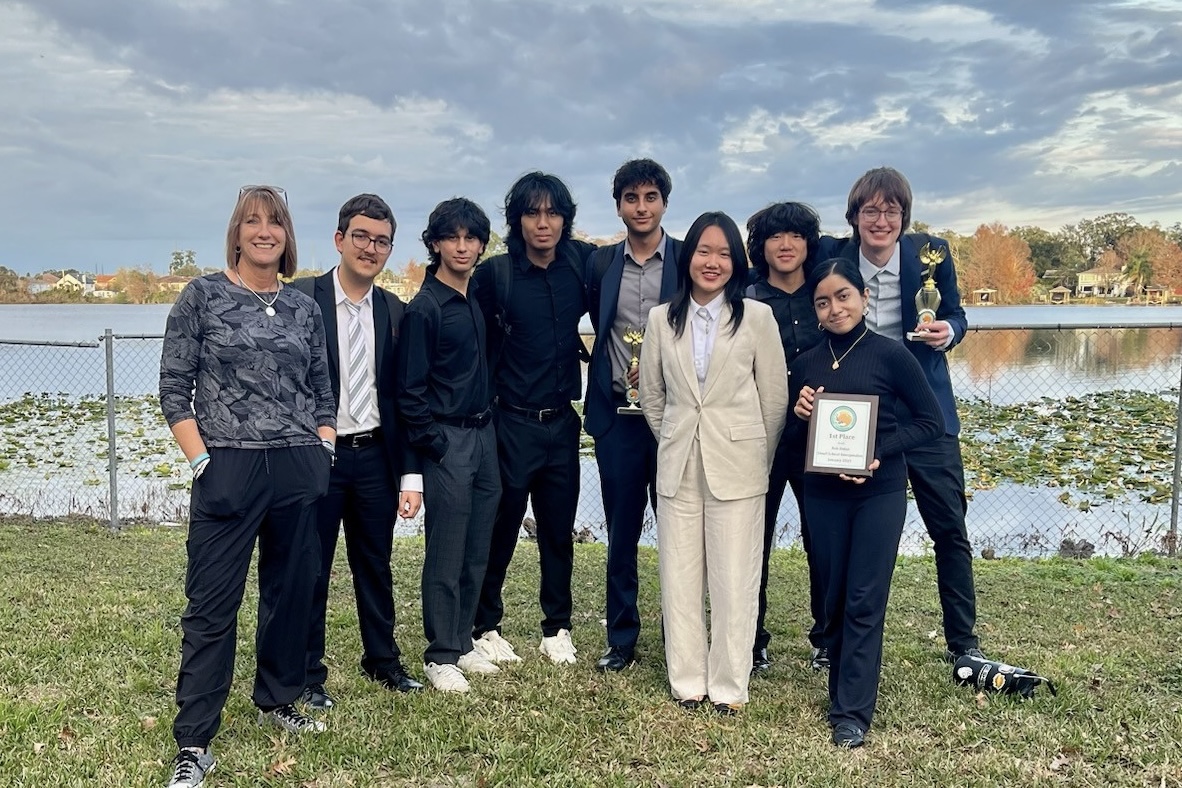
(739, 415)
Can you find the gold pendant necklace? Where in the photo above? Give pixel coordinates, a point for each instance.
(837, 361)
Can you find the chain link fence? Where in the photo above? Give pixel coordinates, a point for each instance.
(1070, 439)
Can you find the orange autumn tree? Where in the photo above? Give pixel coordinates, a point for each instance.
(1000, 261)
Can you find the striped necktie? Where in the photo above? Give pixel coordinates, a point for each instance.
(358, 368)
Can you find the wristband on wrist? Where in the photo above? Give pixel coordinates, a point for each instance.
(193, 463)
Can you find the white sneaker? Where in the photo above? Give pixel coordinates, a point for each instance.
(495, 648)
(559, 648)
(475, 662)
(445, 678)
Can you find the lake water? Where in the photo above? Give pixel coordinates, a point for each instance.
(1052, 361)
(86, 322)
(1141, 350)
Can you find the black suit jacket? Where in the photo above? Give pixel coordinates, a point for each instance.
(599, 409)
(933, 362)
(387, 316)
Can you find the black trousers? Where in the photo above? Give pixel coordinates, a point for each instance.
(539, 462)
(362, 496)
(856, 541)
(788, 470)
(627, 459)
(460, 496)
(270, 494)
(936, 472)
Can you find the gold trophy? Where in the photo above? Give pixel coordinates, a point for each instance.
(634, 337)
(927, 300)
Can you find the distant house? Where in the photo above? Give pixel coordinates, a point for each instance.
(402, 287)
(103, 284)
(69, 282)
(174, 283)
(1095, 282)
(42, 284)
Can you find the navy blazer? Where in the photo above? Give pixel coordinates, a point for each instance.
(599, 407)
(387, 315)
(933, 362)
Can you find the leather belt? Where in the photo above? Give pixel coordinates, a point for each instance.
(543, 415)
(359, 440)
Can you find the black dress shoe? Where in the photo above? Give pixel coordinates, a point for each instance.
(690, 704)
(950, 656)
(394, 677)
(615, 659)
(760, 661)
(727, 709)
(849, 736)
(819, 659)
(316, 697)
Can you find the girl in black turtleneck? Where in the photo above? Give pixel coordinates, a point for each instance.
(857, 521)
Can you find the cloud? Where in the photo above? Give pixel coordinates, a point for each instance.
(144, 116)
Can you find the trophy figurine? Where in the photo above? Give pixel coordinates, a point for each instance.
(927, 300)
(634, 337)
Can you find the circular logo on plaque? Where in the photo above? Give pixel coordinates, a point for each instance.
(843, 418)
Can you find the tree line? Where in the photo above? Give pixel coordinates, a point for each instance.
(1025, 262)
(1020, 264)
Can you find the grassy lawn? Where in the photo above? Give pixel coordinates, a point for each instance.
(89, 647)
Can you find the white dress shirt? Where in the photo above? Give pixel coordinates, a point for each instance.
(704, 330)
(886, 307)
(410, 482)
(345, 423)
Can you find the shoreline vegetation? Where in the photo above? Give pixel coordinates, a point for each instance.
(1039, 298)
(1107, 449)
(1112, 256)
(92, 641)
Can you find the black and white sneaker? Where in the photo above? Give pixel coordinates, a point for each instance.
(189, 769)
(315, 696)
(819, 659)
(289, 718)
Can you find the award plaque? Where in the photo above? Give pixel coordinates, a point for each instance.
(927, 300)
(634, 338)
(841, 434)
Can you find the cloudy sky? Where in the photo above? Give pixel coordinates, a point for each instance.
(128, 125)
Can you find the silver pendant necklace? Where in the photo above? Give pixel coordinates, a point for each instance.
(270, 305)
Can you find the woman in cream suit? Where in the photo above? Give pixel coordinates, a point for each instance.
(713, 387)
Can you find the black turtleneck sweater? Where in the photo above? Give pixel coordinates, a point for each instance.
(876, 365)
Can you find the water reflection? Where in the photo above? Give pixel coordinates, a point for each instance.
(1007, 366)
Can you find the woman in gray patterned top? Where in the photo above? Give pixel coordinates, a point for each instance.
(244, 385)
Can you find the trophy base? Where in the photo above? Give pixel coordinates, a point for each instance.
(917, 336)
(630, 409)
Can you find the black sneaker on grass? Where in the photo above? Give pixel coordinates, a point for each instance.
(819, 659)
(289, 718)
(315, 696)
(189, 769)
(951, 656)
